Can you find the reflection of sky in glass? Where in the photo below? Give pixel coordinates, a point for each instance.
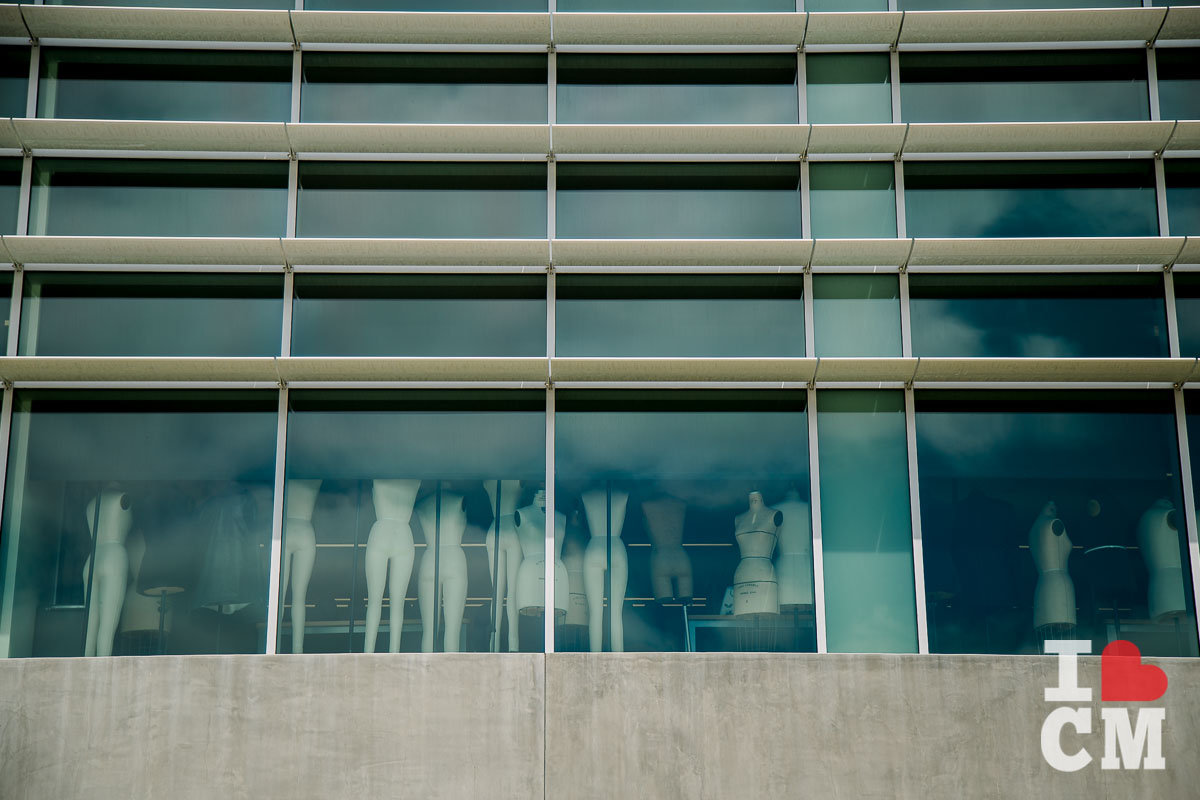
(676, 5)
(1179, 99)
(1020, 101)
(968, 5)
(848, 88)
(495, 103)
(1183, 209)
(857, 315)
(425, 5)
(1192, 400)
(1187, 313)
(1040, 211)
(678, 213)
(851, 200)
(433, 213)
(277, 4)
(713, 104)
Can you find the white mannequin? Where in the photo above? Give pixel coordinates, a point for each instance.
(531, 578)
(109, 580)
(755, 589)
(504, 566)
(299, 551)
(670, 567)
(451, 569)
(390, 542)
(577, 605)
(596, 505)
(1054, 597)
(1158, 537)
(793, 559)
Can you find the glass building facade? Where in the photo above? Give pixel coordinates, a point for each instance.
(690, 341)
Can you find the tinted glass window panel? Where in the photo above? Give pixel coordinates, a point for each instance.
(1187, 313)
(6, 281)
(857, 315)
(1038, 316)
(656, 488)
(988, 5)
(680, 89)
(1183, 196)
(677, 5)
(1024, 86)
(424, 88)
(845, 5)
(1030, 198)
(1178, 82)
(10, 193)
(848, 87)
(391, 501)
(268, 4)
(89, 314)
(853, 200)
(866, 532)
(14, 80)
(138, 523)
(138, 197)
(426, 5)
(435, 200)
(1053, 516)
(679, 316)
(118, 83)
(419, 315)
(667, 201)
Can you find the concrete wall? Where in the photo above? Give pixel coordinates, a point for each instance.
(561, 726)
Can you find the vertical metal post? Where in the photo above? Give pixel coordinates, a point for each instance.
(551, 87)
(289, 294)
(806, 201)
(901, 214)
(1172, 318)
(24, 200)
(31, 95)
(551, 310)
(15, 304)
(551, 203)
(1160, 196)
(814, 482)
(894, 79)
(905, 317)
(914, 500)
(274, 592)
(297, 79)
(293, 194)
(1189, 500)
(14, 491)
(1152, 82)
(548, 620)
(810, 322)
(801, 85)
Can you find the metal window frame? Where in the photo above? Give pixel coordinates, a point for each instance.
(1189, 501)
(914, 500)
(818, 549)
(274, 599)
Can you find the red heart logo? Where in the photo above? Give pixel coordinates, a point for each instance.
(1125, 679)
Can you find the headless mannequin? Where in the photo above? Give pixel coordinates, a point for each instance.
(390, 543)
(1158, 538)
(451, 569)
(577, 607)
(531, 578)
(109, 528)
(755, 590)
(670, 567)
(505, 564)
(793, 560)
(596, 506)
(299, 551)
(1054, 597)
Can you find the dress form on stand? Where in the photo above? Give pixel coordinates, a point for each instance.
(670, 567)
(573, 550)
(505, 561)
(793, 556)
(531, 579)
(1158, 538)
(390, 549)
(106, 572)
(605, 512)
(1054, 597)
(443, 568)
(299, 551)
(755, 589)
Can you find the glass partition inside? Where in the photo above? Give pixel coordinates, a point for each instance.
(14, 81)
(140, 314)
(149, 197)
(857, 315)
(1053, 515)
(137, 523)
(424, 87)
(687, 519)
(392, 501)
(853, 199)
(679, 316)
(677, 88)
(866, 529)
(1187, 313)
(1030, 198)
(678, 201)
(1043, 316)
(10, 193)
(1183, 196)
(848, 87)
(419, 315)
(122, 83)
(422, 199)
(1178, 82)
(1024, 86)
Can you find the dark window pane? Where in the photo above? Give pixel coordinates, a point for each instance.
(851, 200)
(14, 80)
(986, 5)
(1183, 196)
(1187, 313)
(848, 87)
(426, 5)
(268, 4)
(1030, 198)
(679, 316)
(857, 315)
(10, 193)
(1178, 82)
(676, 5)
(845, 5)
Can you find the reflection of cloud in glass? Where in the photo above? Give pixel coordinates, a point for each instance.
(668, 213)
(1000, 101)
(496, 103)
(432, 213)
(1031, 212)
(713, 104)
(242, 101)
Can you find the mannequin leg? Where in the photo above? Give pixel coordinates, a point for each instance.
(454, 600)
(302, 567)
(684, 581)
(620, 578)
(376, 563)
(110, 591)
(402, 561)
(593, 586)
(512, 561)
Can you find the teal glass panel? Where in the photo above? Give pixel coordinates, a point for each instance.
(1029, 86)
(120, 83)
(144, 197)
(426, 199)
(687, 521)
(852, 200)
(1053, 515)
(1187, 315)
(6, 283)
(419, 315)
(1178, 82)
(137, 523)
(14, 80)
(670, 201)
(845, 5)
(866, 529)
(1000, 5)
(1038, 316)
(1030, 198)
(426, 5)
(676, 5)
(857, 315)
(138, 314)
(391, 502)
(424, 87)
(1183, 196)
(679, 316)
(677, 89)
(10, 193)
(264, 4)
(848, 87)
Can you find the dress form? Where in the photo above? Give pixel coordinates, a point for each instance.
(573, 549)
(1054, 597)
(299, 551)
(505, 564)
(755, 589)
(390, 543)
(601, 506)
(793, 558)
(109, 519)
(670, 567)
(531, 578)
(1158, 538)
(450, 564)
